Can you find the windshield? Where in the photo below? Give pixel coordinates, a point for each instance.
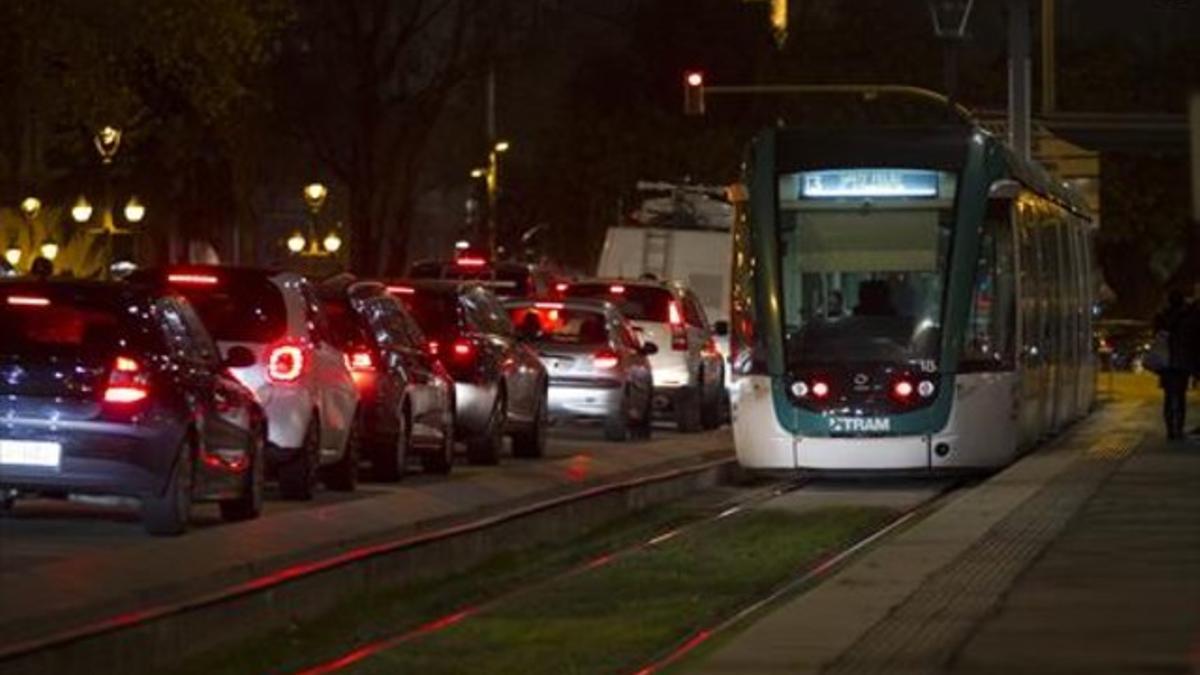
(436, 313)
(863, 264)
(240, 310)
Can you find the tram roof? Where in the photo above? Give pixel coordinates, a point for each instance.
(928, 146)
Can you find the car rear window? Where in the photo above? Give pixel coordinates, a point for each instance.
(637, 303)
(345, 324)
(57, 325)
(435, 313)
(239, 310)
(563, 326)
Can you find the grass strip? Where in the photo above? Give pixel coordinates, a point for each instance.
(622, 615)
(370, 616)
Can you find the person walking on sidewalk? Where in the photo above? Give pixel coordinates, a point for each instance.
(1176, 320)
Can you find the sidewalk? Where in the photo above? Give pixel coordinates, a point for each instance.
(1084, 557)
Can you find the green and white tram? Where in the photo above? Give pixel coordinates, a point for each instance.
(904, 299)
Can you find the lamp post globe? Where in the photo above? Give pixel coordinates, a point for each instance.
(31, 207)
(81, 212)
(49, 250)
(296, 242)
(13, 255)
(314, 195)
(135, 211)
(332, 242)
(107, 141)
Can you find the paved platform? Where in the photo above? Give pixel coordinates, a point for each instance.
(62, 565)
(1084, 557)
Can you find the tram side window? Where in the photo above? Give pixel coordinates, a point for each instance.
(991, 323)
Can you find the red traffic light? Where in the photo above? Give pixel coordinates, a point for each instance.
(693, 92)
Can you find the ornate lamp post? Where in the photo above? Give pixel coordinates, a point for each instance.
(314, 197)
(950, 26)
(491, 176)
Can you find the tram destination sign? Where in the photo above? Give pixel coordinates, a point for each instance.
(838, 183)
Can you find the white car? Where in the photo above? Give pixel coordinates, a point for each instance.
(301, 379)
(688, 370)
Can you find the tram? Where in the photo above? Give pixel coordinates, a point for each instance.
(907, 299)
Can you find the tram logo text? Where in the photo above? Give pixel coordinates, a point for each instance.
(852, 425)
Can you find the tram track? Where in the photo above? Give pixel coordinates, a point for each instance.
(810, 575)
(464, 613)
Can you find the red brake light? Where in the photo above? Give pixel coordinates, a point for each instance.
(285, 363)
(401, 290)
(126, 382)
(616, 289)
(819, 389)
(902, 389)
(463, 349)
(470, 261)
(605, 359)
(433, 347)
(561, 287)
(28, 301)
(548, 305)
(192, 279)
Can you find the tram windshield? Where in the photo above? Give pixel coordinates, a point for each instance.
(864, 255)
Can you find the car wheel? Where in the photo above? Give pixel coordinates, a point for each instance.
(531, 443)
(342, 476)
(617, 425)
(390, 464)
(167, 514)
(687, 410)
(298, 477)
(645, 424)
(485, 449)
(441, 460)
(710, 410)
(248, 505)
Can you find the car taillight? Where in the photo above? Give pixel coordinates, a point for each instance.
(679, 340)
(470, 261)
(192, 279)
(434, 347)
(605, 359)
(127, 382)
(285, 363)
(463, 350)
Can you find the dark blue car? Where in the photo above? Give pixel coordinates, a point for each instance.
(108, 388)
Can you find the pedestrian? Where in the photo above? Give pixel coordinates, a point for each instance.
(1173, 376)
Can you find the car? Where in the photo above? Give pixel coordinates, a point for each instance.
(406, 396)
(1121, 344)
(112, 389)
(500, 385)
(597, 365)
(688, 369)
(299, 375)
(507, 279)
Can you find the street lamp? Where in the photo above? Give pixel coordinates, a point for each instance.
(13, 254)
(950, 25)
(107, 140)
(30, 207)
(314, 197)
(490, 174)
(296, 242)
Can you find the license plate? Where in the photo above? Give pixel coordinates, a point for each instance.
(30, 453)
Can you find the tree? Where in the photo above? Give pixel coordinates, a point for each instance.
(362, 84)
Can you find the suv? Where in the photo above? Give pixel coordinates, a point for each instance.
(500, 384)
(689, 373)
(299, 375)
(507, 279)
(406, 396)
(112, 389)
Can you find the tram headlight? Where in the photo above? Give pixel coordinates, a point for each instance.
(925, 389)
(799, 389)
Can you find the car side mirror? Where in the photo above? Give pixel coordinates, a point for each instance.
(239, 357)
(721, 328)
(649, 349)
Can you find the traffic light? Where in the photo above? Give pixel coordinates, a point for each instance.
(693, 93)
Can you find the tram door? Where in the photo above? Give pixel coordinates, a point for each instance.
(1032, 357)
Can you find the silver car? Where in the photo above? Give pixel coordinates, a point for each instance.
(598, 366)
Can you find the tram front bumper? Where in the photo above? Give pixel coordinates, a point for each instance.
(890, 453)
